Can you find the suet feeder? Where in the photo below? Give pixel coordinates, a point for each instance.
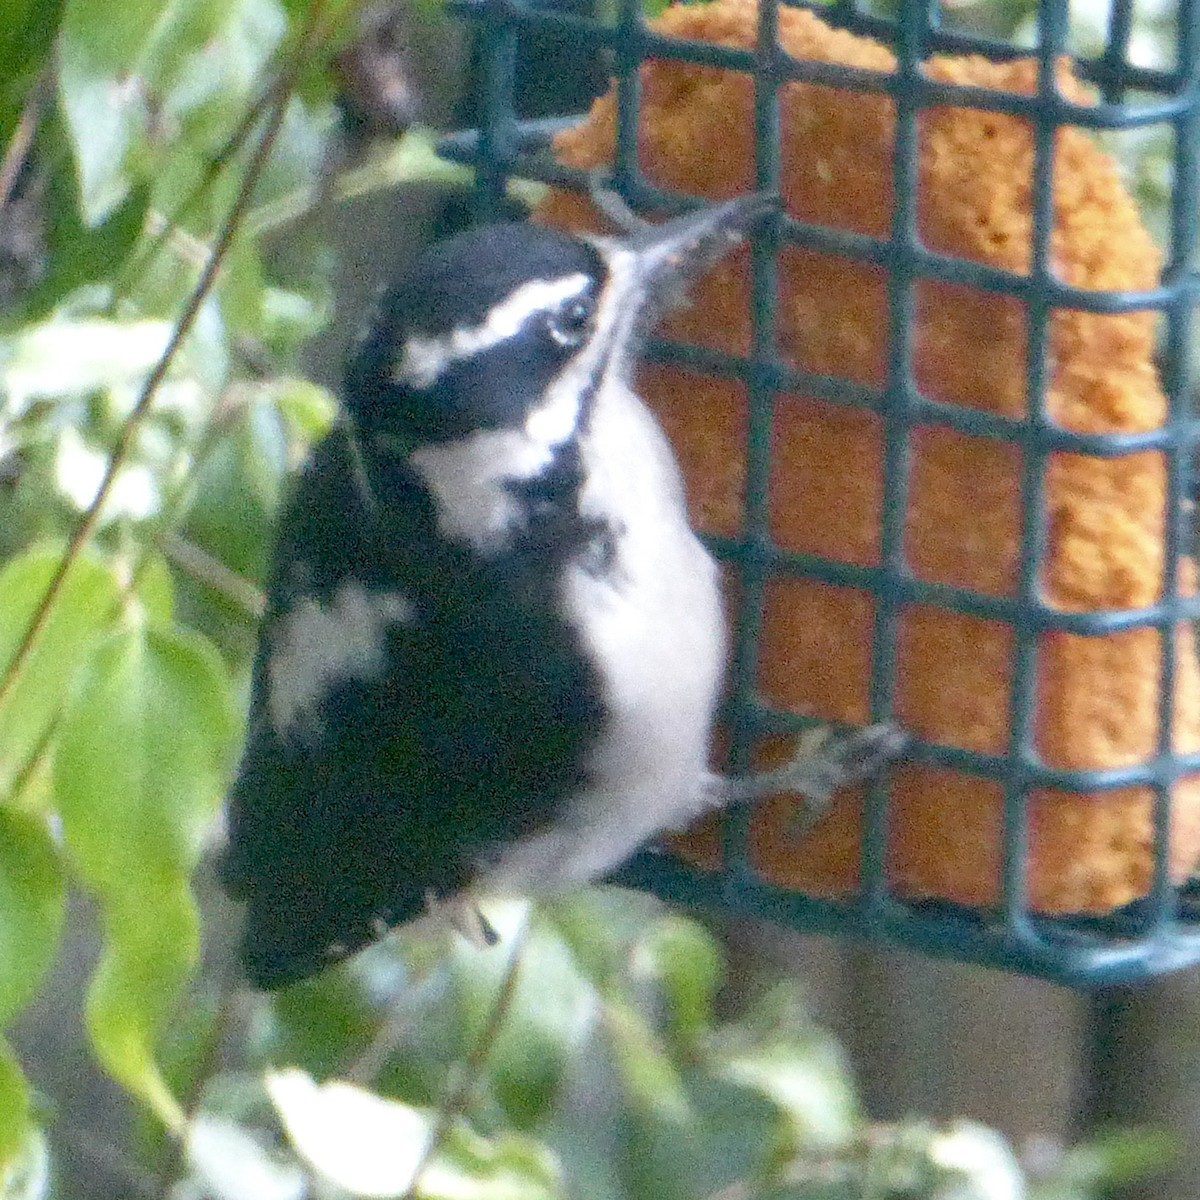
(938, 425)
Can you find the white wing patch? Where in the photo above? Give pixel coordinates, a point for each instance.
(317, 647)
(425, 358)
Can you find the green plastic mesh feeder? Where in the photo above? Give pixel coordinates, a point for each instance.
(937, 425)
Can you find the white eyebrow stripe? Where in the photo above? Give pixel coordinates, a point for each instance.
(425, 358)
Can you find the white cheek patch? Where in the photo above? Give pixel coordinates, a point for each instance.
(317, 647)
(554, 422)
(468, 481)
(423, 359)
(469, 478)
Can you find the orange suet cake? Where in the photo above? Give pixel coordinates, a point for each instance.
(1097, 696)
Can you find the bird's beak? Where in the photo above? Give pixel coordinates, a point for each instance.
(670, 256)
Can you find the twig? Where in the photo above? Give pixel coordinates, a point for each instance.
(163, 227)
(175, 1153)
(365, 1066)
(17, 149)
(210, 571)
(454, 1106)
(25, 773)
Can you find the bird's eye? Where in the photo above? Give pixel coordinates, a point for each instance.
(570, 324)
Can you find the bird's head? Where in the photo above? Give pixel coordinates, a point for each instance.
(514, 327)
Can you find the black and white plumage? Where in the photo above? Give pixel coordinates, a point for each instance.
(493, 645)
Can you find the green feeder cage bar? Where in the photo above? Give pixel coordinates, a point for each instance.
(1161, 932)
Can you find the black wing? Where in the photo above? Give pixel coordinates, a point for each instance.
(413, 708)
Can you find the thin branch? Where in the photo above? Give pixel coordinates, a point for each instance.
(174, 1157)
(210, 571)
(17, 150)
(37, 756)
(90, 519)
(163, 227)
(281, 93)
(395, 1029)
(455, 1105)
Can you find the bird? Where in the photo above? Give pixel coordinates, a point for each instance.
(493, 646)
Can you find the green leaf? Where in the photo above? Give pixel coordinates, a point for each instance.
(651, 1083)
(131, 73)
(322, 1023)
(86, 606)
(292, 315)
(411, 158)
(15, 1126)
(340, 17)
(103, 98)
(79, 253)
(1114, 1159)
(142, 760)
(669, 1149)
(298, 156)
(182, 27)
(553, 1008)
(156, 589)
(602, 925)
(308, 408)
(240, 289)
(238, 490)
(151, 939)
(738, 1134)
(210, 89)
(27, 1176)
(31, 909)
(373, 1147)
(75, 357)
(686, 964)
(27, 29)
(778, 1052)
(682, 1131)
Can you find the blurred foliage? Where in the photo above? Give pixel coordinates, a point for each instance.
(610, 1078)
(153, 409)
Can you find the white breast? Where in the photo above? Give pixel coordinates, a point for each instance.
(654, 624)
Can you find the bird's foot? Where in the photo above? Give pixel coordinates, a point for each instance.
(823, 762)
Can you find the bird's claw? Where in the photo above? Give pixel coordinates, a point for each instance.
(825, 760)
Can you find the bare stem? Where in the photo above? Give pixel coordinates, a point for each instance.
(210, 571)
(458, 1099)
(167, 227)
(17, 149)
(272, 98)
